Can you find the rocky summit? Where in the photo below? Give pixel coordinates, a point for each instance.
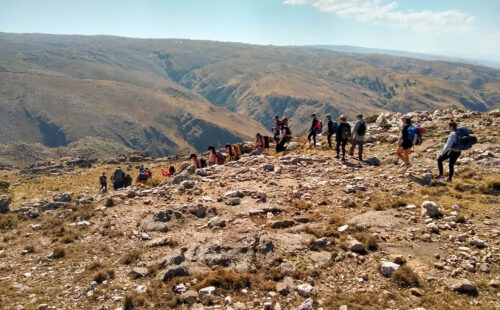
(294, 230)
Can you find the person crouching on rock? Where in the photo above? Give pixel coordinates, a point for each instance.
(171, 172)
(104, 183)
(405, 143)
(198, 162)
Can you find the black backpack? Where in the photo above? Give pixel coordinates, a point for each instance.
(102, 179)
(361, 129)
(118, 176)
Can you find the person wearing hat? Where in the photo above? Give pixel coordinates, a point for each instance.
(405, 143)
(332, 128)
(342, 135)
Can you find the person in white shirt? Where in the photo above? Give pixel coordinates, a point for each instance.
(449, 152)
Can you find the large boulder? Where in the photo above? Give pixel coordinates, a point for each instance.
(463, 286)
(4, 204)
(63, 197)
(382, 121)
(306, 290)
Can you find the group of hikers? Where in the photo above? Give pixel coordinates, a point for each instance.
(458, 140)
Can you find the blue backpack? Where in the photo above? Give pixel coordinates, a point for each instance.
(464, 139)
(415, 134)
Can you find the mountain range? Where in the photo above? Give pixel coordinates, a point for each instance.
(171, 96)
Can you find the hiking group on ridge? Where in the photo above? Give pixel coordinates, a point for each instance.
(458, 141)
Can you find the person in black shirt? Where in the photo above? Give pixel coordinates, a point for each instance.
(104, 183)
(342, 135)
(332, 129)
(405, 143)
(276, 128)
(312, 130)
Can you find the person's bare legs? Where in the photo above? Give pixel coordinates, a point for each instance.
(399, 154)
(406, 154)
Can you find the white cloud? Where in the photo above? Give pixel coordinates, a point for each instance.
(374, 11)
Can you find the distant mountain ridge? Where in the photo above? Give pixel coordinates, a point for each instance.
(423, 56)
(174, 96)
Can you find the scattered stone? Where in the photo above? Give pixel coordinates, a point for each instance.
(209, 290)
(430, 209)
(388, 268)
(306, 305)
(355, 246)
(4, 204)
(306, 290)
(139, 272)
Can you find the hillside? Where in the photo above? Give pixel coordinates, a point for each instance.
(170, 96)
(296, 230)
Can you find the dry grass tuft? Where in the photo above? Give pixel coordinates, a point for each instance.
(226, 279)
(8, 221)
(130, 257)
(405, 277)
(58, 252)
(109, 202)
(104, 275)
(132, 301)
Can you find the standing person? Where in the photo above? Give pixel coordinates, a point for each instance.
(198, 162)
(449, 152)
(259, 143)
(118, 178)
(342, 135)
(104, 183)
(277, 125)
(312, 130)
(405, 143)
(332, 128)
(358, 137)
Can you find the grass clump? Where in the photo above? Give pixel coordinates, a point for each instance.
(68, 238)
(226, 279)
(109, 202)
(58, 252)
(103, 275)
(131, 302)
(130, 257)
(405, 277)
(8, 221)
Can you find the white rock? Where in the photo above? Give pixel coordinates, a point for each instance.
(388, 268)
(306, 290)
(209, 290)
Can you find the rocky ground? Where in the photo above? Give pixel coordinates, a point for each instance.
(299, 230)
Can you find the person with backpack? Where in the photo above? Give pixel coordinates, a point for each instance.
(118, 178)
(452, 150)
(171, 172)
(277, 124)
(358, 137)
(313, 129)
(284, 136)
(104, 183)
(405, 143)
(259, 143)
(233, 152)
(342, 135)
(332, 128)
(214, 157)
(198, 162)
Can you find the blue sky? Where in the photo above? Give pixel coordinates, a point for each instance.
(463, 28)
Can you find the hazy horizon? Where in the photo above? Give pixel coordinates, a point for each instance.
(456, 29)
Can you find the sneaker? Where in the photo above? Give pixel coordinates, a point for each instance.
(448, 181)
(337, 156)
(343, 159)
(441, 177)
(408, 165)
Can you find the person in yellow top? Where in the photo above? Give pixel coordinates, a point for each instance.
(233, 152)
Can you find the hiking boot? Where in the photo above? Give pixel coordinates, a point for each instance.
(337, 156)
(440, 177)
(343, 159)
(407, 166)
(449, 181)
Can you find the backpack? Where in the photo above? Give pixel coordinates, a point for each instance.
(102, 179)
(464, 139)
(266, 142)
(361, 129)
(415, 134)
(319, 127)
(345, 133)
(118, 176)
(203, 163)
(220, 158)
